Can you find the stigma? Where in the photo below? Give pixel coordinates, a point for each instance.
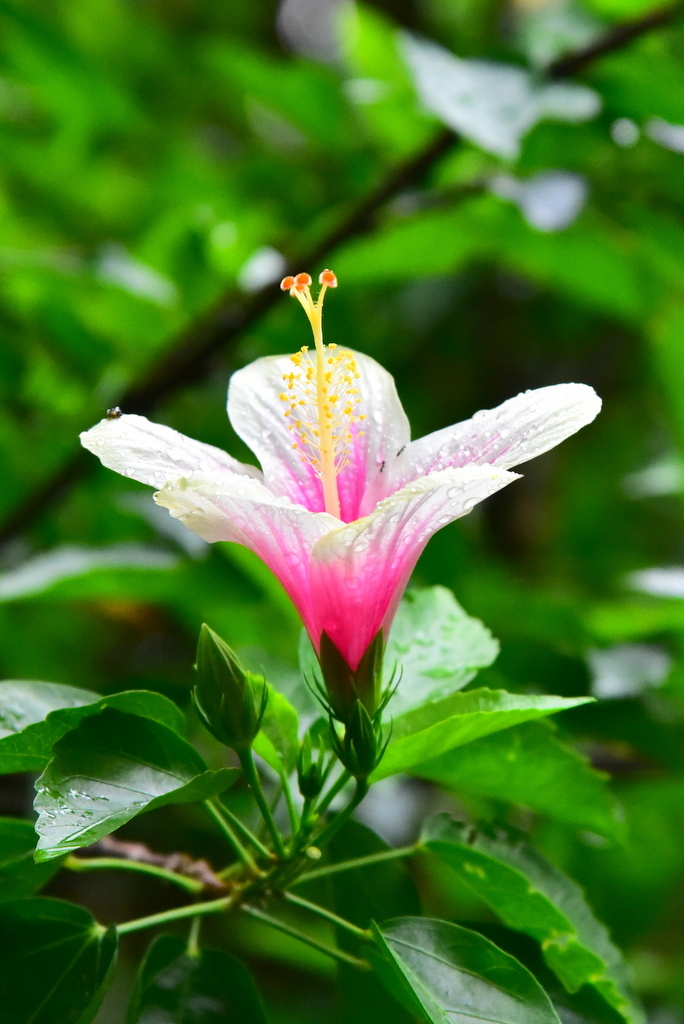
(321, 397)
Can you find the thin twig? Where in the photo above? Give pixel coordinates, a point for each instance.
(615, 38)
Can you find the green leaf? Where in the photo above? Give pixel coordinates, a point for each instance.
(531, 895)
(19, 873)
(374, 892)
(461, 718)
(25, 704)
(178, 987)
(34, 715)
(529, 765)
(435, 647)
(110, 768)
(278, 741)
(46, 571)
(56, 962)
(446, 974)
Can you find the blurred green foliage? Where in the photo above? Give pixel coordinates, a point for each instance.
(157, 157)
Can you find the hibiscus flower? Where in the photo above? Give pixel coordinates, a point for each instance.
(344, 502)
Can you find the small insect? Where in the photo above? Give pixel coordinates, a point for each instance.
(382, 465)
(113, 414)
(403, 447)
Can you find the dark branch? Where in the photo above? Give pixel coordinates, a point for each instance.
(216, 333)
(196, 351)
(180, 863)
(616, 38)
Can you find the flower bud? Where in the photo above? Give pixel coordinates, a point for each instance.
(311, 765)
(360, 748)
(230, 701)
(345, 686)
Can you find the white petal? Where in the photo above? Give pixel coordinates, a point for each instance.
(152, 453)
(359, 571)
(256, 412)
(219, 506)
(514, 432)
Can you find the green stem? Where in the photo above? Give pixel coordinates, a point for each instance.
(252, 776)
(333, 827)
(340, 922)
(193, 937)
(291, 809)
(306, 822)
(336, 788)
(245, 832)
(359, 862)
(192, 885)
(230, 835)
(177, 914)
(281, 926)
(232, 869)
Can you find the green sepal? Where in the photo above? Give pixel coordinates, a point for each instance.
(345, 686)
(230, 701)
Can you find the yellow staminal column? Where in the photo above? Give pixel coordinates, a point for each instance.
(320, 395)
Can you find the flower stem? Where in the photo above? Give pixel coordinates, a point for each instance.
(177, 914)
(359, 862)
(336, 788)
(193, 948)
(232, 869)
(252, 776)
(230, 835)
(291, 809)
(245, 832)
(192, 885)
(334, 826)
(336, 954)
(297, 901)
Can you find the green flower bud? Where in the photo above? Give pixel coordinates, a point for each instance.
(360, 749)
(310, 766)
(230, 701)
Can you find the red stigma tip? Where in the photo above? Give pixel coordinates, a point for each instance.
(287, 283)
(328, 278)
